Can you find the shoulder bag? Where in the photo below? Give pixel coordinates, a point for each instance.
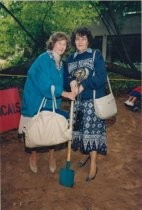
(47, 128)
(105, 107)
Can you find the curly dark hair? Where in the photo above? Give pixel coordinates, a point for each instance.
(82, 31)
(57, 36)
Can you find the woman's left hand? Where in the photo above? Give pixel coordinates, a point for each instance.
(77, 90)
(70, 95)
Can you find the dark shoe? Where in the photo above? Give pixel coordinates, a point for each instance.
(20, 137)
(88, 178)
(82, 163)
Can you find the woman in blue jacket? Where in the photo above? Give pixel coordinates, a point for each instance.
(46, 70)
(86, 74)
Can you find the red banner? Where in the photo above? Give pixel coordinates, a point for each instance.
(10, 106)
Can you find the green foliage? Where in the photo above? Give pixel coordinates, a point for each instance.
(40, 19)
(122, 85)
(16, 59)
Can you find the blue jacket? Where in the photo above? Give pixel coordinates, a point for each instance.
(42, 74)
(89, 72)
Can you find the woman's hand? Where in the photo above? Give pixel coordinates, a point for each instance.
(70, 95)
(73, 85)
(77, 90)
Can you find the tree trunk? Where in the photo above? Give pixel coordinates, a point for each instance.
(17, 70)
(126, 72)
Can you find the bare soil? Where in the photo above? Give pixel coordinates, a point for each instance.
(117, 186)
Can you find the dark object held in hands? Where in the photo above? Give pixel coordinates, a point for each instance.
(78, 120)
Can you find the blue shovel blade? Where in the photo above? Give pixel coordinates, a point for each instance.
(66, 176)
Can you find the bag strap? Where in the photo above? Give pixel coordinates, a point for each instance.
(109, 85)
(44, 100)
(54, 104)
(94, 55)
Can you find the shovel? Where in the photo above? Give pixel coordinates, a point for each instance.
(66, 176)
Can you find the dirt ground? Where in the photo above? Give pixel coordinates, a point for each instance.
(117, 185)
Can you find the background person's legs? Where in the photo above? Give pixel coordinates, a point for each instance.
(131, 101)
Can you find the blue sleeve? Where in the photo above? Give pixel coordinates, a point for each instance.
(100, 74)
(42, 76)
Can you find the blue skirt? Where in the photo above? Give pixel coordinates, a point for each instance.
(89, 132)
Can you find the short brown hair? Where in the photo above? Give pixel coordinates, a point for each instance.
(82, 31)
(57, 36)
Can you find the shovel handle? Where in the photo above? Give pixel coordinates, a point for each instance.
(70, 125)
(71, 115)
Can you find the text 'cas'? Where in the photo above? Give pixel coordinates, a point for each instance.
(10, 106)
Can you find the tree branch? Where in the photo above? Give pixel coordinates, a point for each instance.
(19, 23)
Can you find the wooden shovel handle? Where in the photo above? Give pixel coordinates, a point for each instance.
(70, 125)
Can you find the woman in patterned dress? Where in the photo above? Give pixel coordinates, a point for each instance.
(85, 74)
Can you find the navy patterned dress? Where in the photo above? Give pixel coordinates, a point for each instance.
(90, 134)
